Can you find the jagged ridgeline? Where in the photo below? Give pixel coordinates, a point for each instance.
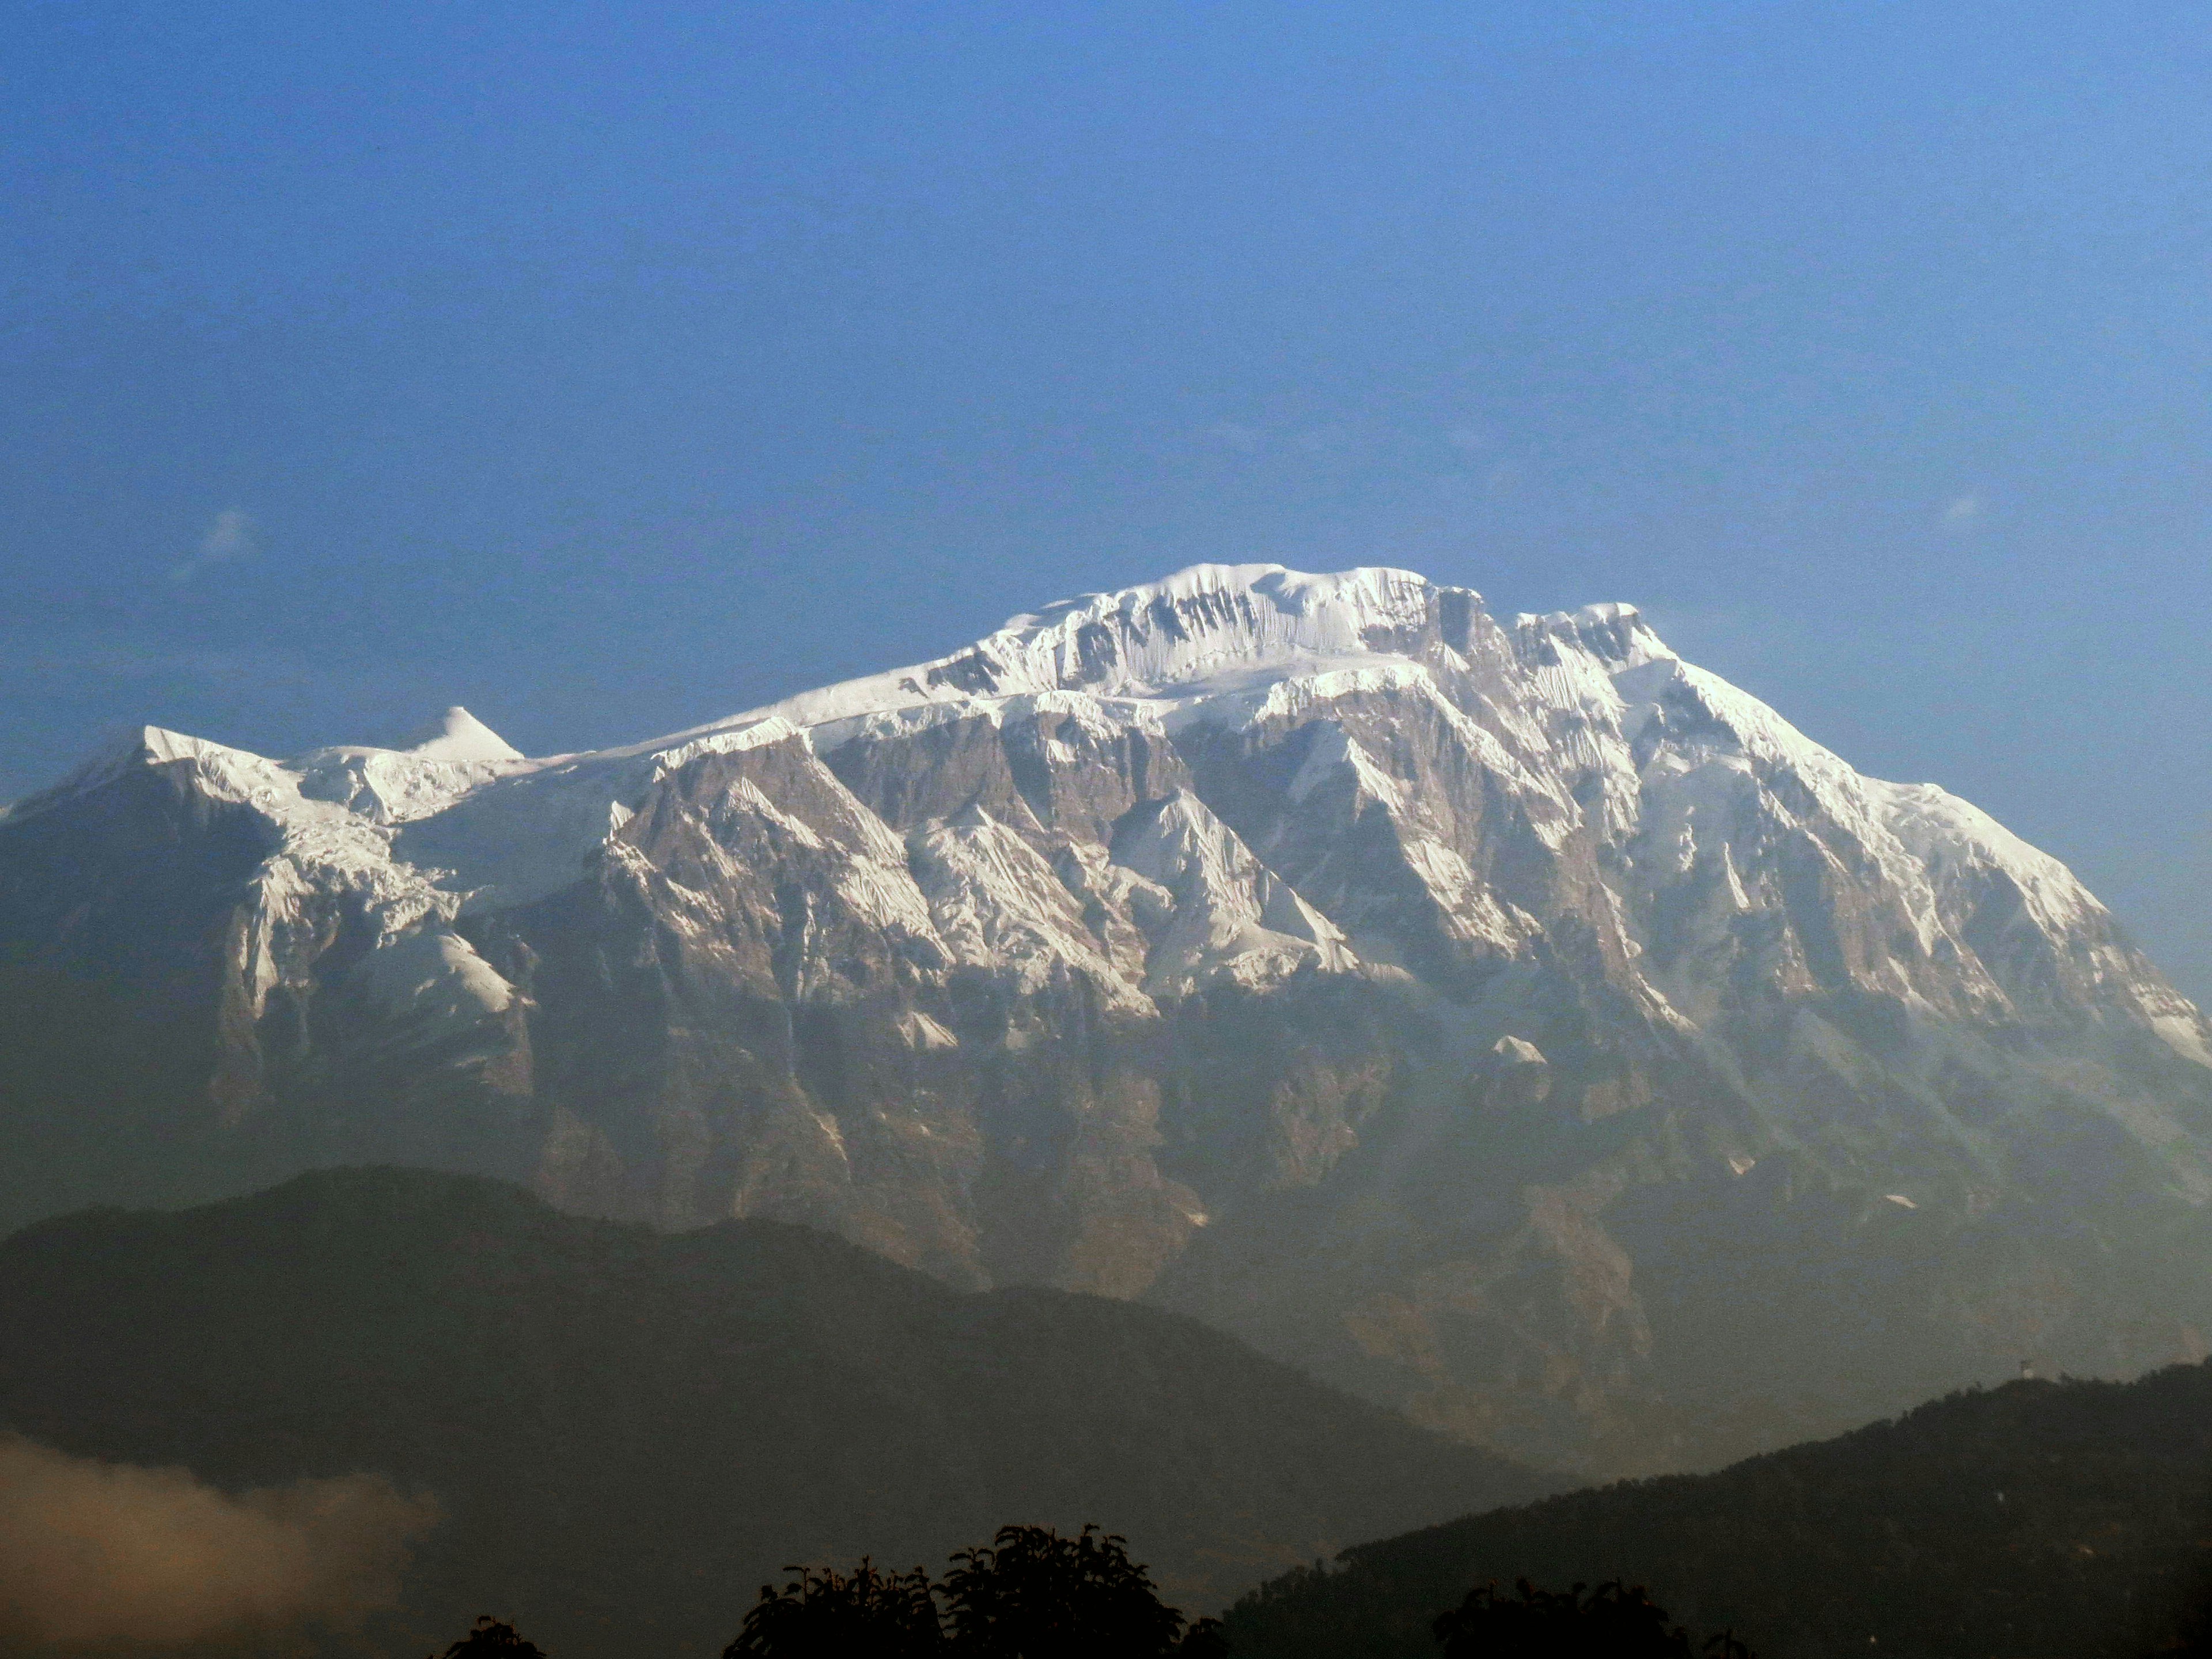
(1510, 1021)
(629, 1431)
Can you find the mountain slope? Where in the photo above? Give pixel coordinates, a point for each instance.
(2042, 1520)
(630, 1430)
(1502, 1019)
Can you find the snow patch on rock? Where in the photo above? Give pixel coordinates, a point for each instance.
(1233, 917)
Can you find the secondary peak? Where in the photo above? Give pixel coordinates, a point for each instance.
(457, 735)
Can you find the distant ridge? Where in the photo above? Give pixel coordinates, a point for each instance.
(2039, 1520)
(630, 1430)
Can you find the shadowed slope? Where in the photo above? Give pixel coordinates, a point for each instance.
(2040, 1521)
(631, 1431)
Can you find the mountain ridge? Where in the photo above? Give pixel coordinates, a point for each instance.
(629, 1432)
(1316, 954)
(2045, 1519)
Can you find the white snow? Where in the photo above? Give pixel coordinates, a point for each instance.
(1592, 726)
(1209, 631)
(1518, 1051)
(1233, 916)
(433, 980)
(997, 903)
(926, 1036)
(1333, 752)
(457, 735)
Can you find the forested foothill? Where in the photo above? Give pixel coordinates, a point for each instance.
(627, 1431)
(1032, 1593)
(2041, 1520)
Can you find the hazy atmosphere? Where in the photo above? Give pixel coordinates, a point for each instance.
(607, 372)
(1215, 831)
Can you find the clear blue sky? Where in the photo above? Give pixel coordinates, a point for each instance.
(610, 368)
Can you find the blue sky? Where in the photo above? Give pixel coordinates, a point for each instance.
(608, 369)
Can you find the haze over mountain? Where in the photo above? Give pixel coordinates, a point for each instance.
(1505, 1018)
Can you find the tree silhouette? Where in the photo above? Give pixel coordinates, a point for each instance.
(494, 1638)
(1616, 1622)
(877, 1614)
(1030, 1592)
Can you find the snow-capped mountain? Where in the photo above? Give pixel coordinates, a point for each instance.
(1511, 1019)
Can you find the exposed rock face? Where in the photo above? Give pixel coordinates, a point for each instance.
(1514, 1021)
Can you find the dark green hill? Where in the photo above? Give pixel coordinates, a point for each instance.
(2070, 1520)
(631, 1431)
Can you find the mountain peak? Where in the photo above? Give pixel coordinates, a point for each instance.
(1159, 636)
(1294, 593)
(1205, 630)
(1299, 908)
(457, 735)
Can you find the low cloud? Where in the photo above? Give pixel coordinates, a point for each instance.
(108, 1553)
(1962, 509)
(228, 538)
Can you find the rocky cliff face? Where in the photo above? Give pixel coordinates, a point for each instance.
(1512, 1021)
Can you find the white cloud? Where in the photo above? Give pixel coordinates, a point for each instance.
(1244, 440)
(228, 536)
(1962, 509)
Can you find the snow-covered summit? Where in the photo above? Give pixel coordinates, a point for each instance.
(1139, 914)
(1492, 754)
(439, 764)
(1207, 630)
(457, 735)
